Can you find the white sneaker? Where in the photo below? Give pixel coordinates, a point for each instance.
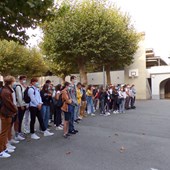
(80, 117)
(9, 146)
(4, 155)
(93, 114)
(34, 136)
(59, 128)
(26, 131)
(108, 113)
(9, 150)
(19, 137)
(13, 141)
(47, 133)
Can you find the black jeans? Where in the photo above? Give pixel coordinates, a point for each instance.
(20, 117)
(36, 113)
(57, 116)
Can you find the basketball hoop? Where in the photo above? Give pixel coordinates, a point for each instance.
(133, 74)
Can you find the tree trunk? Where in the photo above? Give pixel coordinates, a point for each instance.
(107, 68)
(82, 70)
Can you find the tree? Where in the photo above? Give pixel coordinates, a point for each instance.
(18, 15)
(16, 59)
(89, 31)
(61, 69)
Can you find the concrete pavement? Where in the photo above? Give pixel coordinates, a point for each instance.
(136, 140)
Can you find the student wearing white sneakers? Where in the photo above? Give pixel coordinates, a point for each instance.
(35, 106)
(7, 111)
(19, 90)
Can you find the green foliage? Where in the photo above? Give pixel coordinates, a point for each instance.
(17, 15)
(90, 32)
(16, 59)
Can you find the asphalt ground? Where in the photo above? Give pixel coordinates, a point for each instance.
(136, 140)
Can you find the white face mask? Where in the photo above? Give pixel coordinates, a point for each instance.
(24, 81)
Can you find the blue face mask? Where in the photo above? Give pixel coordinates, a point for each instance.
(14, 85)
(36, 84)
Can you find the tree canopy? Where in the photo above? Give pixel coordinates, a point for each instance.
(89, 32)
(16, 59)
(18, 15)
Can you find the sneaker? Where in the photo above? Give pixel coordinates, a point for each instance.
(34, 136)
(65, 136)
(80, 117)
(13, 141)
(59, 128)
(26, 131)
(115, 112)
(47, 133)
(9, 150)
(93, 114)
(76, 131)
(4, 155)
(108, 114)
(19, 137)
(72, 132)
(9, 146)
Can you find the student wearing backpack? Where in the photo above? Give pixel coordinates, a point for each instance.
(7, 112)
(47, 100)
(73, 96)
(19, 90)
(35, 106)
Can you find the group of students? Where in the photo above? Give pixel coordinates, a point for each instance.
(114, 99)
(69, 103)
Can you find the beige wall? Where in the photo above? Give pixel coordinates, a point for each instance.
(140, 81)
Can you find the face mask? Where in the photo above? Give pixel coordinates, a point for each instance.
(53, 88)
(14, 85)
(24, 81)
(36, 84)
(49, 88)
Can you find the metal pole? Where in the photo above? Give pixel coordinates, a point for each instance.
(104, 84)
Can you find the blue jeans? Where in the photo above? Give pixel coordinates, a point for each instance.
(71, 122)
(122, 106)
(45, 112)
(76, 112)
(90, 107)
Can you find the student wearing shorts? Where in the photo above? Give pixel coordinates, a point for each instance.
(66, 108)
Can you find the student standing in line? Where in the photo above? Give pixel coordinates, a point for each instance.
(7, 112)
(67, 101)
(35, 106)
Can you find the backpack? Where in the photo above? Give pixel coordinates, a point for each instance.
(27, 99)
(60, 101)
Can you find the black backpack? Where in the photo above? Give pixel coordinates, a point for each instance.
(27, 99)
(60, 101)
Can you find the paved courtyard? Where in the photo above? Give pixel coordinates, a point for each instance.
(137, 140)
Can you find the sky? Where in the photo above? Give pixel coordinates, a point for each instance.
(149, 16)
